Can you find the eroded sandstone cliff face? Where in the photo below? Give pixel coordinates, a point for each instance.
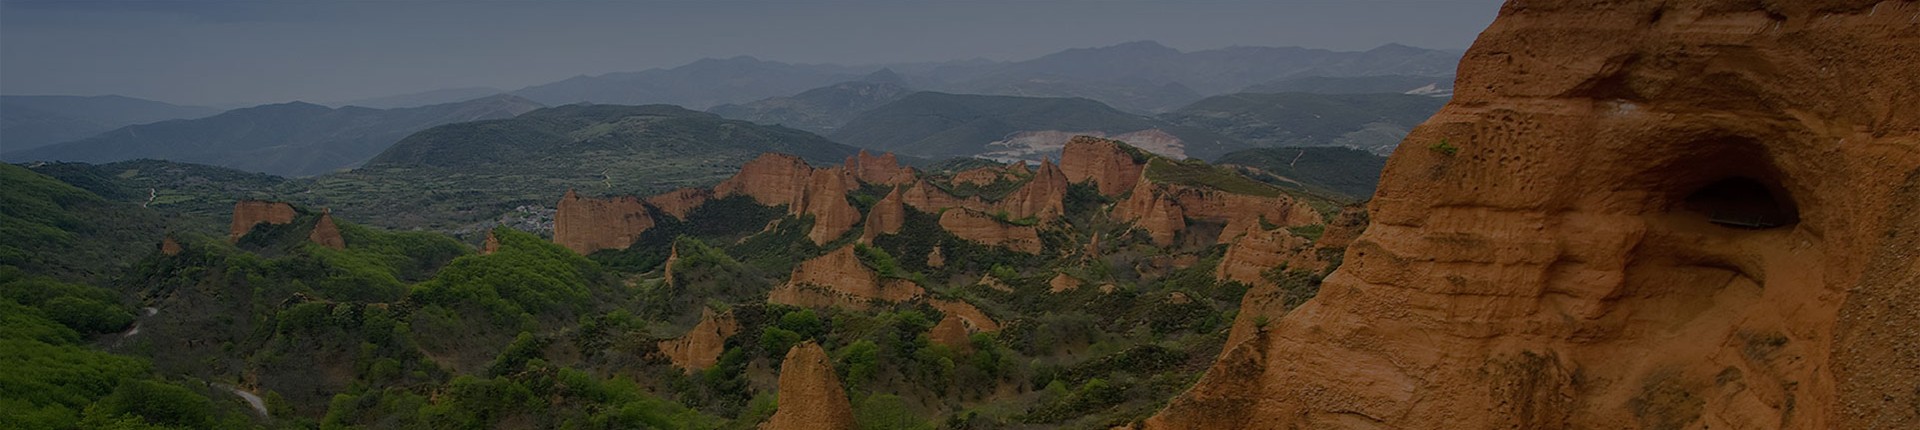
(1633, 214)
(248, 213)
(701, 346)
(887, 216)
(1041, 197)
(810, 393)
(781, 179)
(326, 233)
(680, 202)
(881, 169)
(585, 225)
(978, 227)
(839, 279)
(1104, 162)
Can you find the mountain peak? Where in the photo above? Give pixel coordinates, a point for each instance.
(884, 75)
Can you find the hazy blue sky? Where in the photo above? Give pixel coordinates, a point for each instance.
(231, 51)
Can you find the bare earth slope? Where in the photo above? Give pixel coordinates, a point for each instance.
(1658, 215)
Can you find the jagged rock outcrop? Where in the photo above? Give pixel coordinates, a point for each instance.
(1061, 283)
(248, 213)
(882, 169)
(978, 227)
(680, 202)
(667, 267)
(1041, 197)
(1632, 214)
(585, 225)
(325, 233)
(982, 176)
(771, 179)
(887, 216)
(952, 332)
(1164, 209)
(961, 322)
(701, 346)
(937, 258)
(1112, 168)
(839, 279)
(810, 393)
(170, 247)
(780, 179)
(492, 244)
(925, 197)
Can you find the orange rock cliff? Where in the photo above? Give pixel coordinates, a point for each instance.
(249, 213)
(810, 393)
(1632, 214)
(585, 225)
(701, 346)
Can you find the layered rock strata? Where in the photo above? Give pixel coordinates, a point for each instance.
(1632, 214)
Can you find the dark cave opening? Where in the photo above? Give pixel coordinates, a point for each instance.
(1742, 202)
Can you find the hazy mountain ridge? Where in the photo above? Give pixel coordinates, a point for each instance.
(821, 110)
(697, 85)
(28, 122)
(289, 139)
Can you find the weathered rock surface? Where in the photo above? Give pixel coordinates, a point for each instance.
(982, 176)
(1591, 256)
(952, 332)
(780, 179)
(248, 213)
(810, 393)
(971, 317)
(1163, 210)
(585, 225)
(839, 279)
(978, 227)
(492, 244)
(326, 234)
(701, 346)
(886, 217)
(925, 197)
(882, 169)
(680, 202)
(1104, 162)
(170, 247)
(937, 258)
(1042, 197)
(1062, 283)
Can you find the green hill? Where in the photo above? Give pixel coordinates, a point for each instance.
(459, 174)
(290, 139)
(1371, 122)
(1349, 173)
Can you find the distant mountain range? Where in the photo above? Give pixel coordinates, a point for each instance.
(1141, 77)
(822, 110)
(28, 122)
(424, 98)
(700, 85)
(288, 139)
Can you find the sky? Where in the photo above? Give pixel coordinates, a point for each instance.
(241, 52)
